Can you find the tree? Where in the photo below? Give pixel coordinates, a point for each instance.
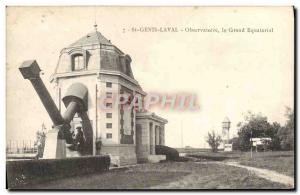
(275, 143)
(40, 141)
(214, 141)
(257, 125)
(286, 133)
(253, 126)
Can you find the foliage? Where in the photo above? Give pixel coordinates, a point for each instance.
(40, 142)
(171, 153)
(253, 126)
(214, 141)
(257, 125)
(275, 143)
(286, 133)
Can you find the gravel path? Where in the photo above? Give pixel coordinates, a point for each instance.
(267, 174)
(263, 173)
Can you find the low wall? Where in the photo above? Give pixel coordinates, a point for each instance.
(22, 173)
(156, 158)
(122, 154)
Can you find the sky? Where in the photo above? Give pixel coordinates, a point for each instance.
(230, 73)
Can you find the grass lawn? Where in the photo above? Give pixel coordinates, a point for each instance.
(167, 175)
(280, 161)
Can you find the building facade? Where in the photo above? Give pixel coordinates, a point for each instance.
(127, 135)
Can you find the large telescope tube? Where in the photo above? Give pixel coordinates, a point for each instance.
(75, 100)
(31, 70)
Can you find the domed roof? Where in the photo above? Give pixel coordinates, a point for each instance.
(111, 61)
(91, 38)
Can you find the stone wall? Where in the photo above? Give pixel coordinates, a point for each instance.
(121, 154)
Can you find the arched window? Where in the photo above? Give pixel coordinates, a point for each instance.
(77, 62)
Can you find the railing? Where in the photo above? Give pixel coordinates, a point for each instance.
(21, 147)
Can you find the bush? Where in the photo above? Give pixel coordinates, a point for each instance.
(21, 173)
(213, 140)
(171, 153)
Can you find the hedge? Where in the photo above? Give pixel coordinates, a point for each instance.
(210, 157)
(171, 153)
(21, 173)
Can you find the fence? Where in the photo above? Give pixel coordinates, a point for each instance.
(21, 147)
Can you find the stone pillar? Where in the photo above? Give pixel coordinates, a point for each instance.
(157, 135)
(162, 135)
(55, 147)
(151, 139)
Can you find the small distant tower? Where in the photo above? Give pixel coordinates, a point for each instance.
(225, 130)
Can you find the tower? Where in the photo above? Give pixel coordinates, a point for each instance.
(225, 130)
(104, 70)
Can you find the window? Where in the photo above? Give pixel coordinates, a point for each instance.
(127, 65)
(108, 115)
(77, 62)
(108, 94)
(108, 125)
(108, 136)
(108, 84)
(108, 105)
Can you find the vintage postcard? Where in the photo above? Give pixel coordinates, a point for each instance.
(147, 98)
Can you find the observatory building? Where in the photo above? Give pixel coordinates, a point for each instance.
(94, 64)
